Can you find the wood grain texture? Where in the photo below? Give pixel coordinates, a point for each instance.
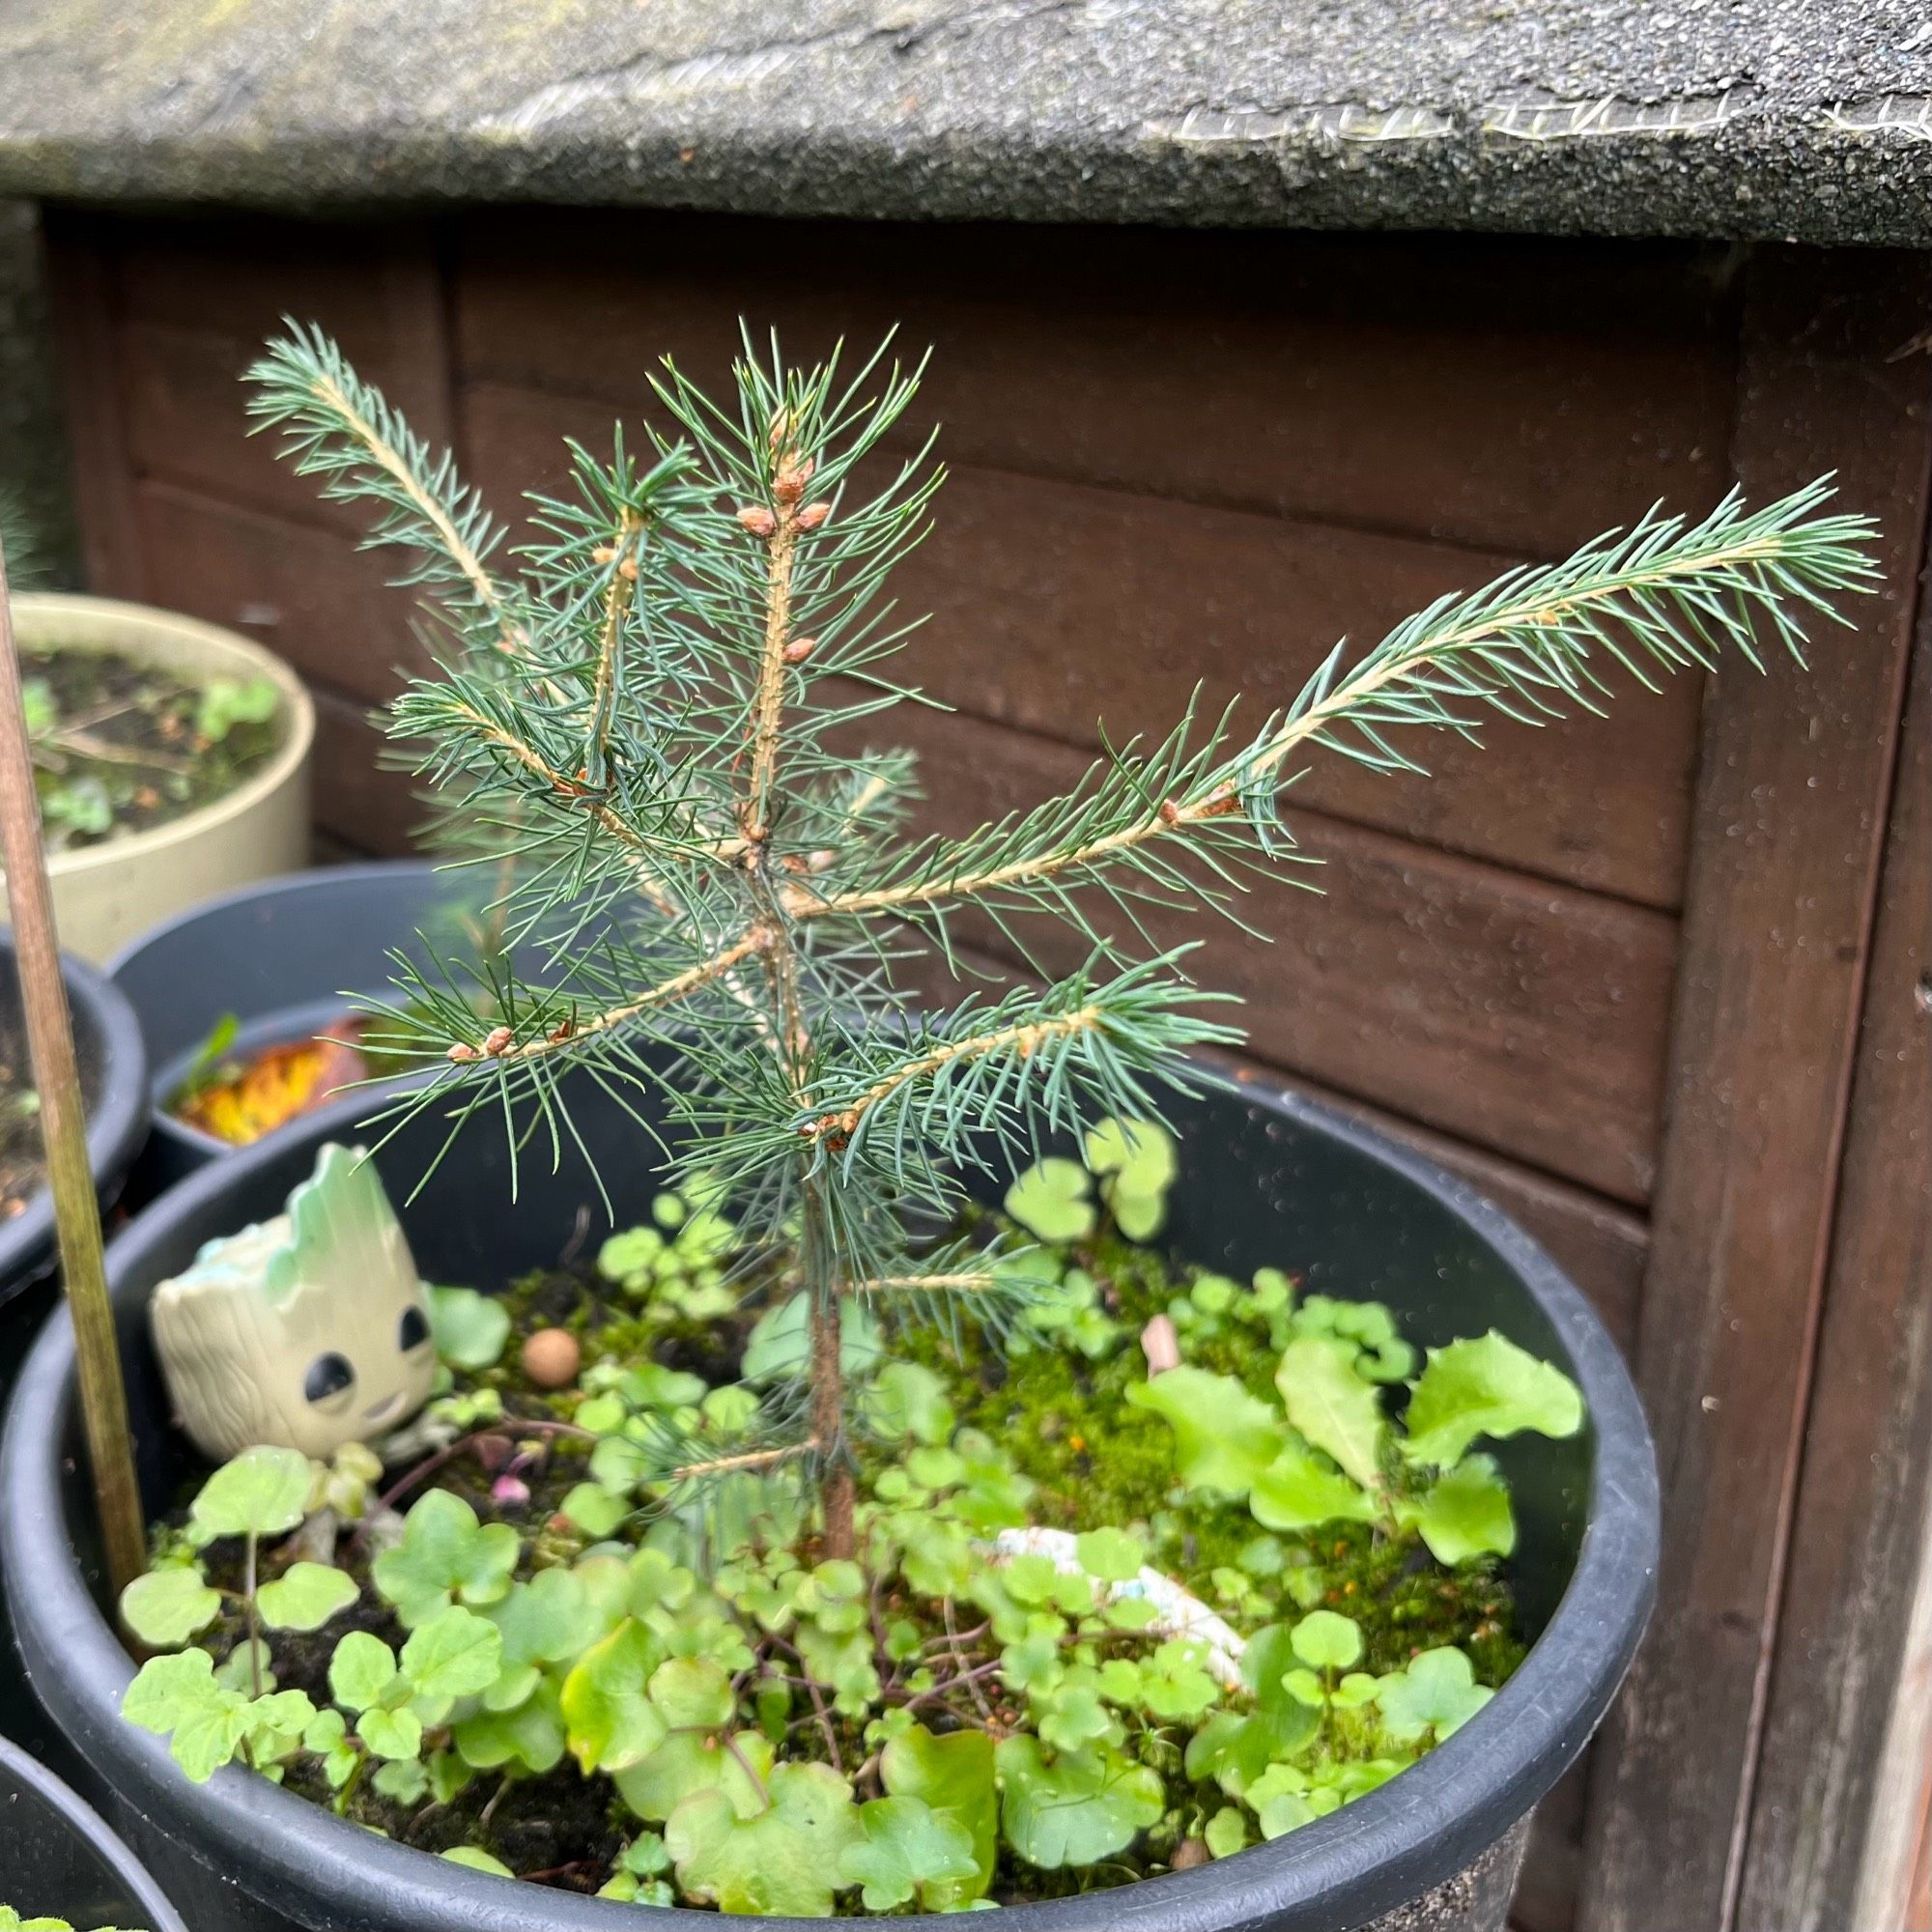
(1510, 395)
(308, 593)
(1524, 1018)
(81, 290)
(1056, 606)
(238, 277)
(186, 420)
(1790, 806)
(358, 800)
(1553, 1864)
(1847, 1753)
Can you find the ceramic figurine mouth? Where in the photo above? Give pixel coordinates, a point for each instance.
(380, 1412)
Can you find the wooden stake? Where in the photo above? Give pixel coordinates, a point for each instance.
(103, 1401)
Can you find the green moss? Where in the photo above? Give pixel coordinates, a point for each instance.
(1067, 1422)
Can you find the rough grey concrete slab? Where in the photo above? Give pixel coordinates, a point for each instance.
(1726, 118)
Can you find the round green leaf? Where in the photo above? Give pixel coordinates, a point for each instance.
(1227, 1833)
(468, 1329)
(611, 1722)
(954, 1774)
(454, 1654)
(305, 1596)
(594, 1510)
(1327, 1641)
(786, 1859)
(166, 1608)
(692, 1694)
(1112, 1556)
(907, 1851)
(1083, 1807)
(445, 1553)
(1049, 1199)
(477, 1860)
(907, 1399)
(263, 1492)
(1436, 1695)
(390, 1734)
(361, 1670)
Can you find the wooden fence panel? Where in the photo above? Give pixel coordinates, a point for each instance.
(1790, 815)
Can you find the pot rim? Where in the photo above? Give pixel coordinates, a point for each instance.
(282, 885)
(117, 1122)
(86, 1823)
(1362, 1860)
(124, 615)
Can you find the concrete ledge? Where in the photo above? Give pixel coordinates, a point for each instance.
(1803, 119)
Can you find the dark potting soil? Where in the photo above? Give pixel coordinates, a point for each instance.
(22, 1167)
(121, 746)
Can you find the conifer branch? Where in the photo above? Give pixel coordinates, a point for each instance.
(341, 429)
(1024, 1040)
(570, 1037)
(610, 643)
(1657, 598)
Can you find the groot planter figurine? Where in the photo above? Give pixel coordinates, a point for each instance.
(308, 1330)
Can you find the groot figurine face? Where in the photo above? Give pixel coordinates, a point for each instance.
(308, 1330)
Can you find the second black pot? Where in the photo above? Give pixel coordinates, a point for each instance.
(114, 1091)
(282, 957)
(1265, 1178)
(58, 1859)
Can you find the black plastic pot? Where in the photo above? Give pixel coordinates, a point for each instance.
(280, 957)
(1265, 1178)
(114, 1083)
(58, 1859)
(114, 1088)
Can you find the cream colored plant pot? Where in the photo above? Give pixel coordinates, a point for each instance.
(106, 894)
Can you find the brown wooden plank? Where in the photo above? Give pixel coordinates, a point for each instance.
(187, 424)
(184, 398)
(238, 275)
(81, 288)
(1526, 1018)
(308, 593)
(1847, 1753)
(1514, 395)
(1795, 778)
(1552, 1865)
(1058, 605)
(358, 800)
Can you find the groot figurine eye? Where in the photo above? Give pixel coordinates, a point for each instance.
(413, 1331)
(329, 1378)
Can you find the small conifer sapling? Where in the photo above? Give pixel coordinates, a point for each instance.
(644, 723)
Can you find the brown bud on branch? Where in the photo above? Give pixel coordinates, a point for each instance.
(788, 486)
(799, 649)
(498, 1040)
(758, 520)
(812, 515)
